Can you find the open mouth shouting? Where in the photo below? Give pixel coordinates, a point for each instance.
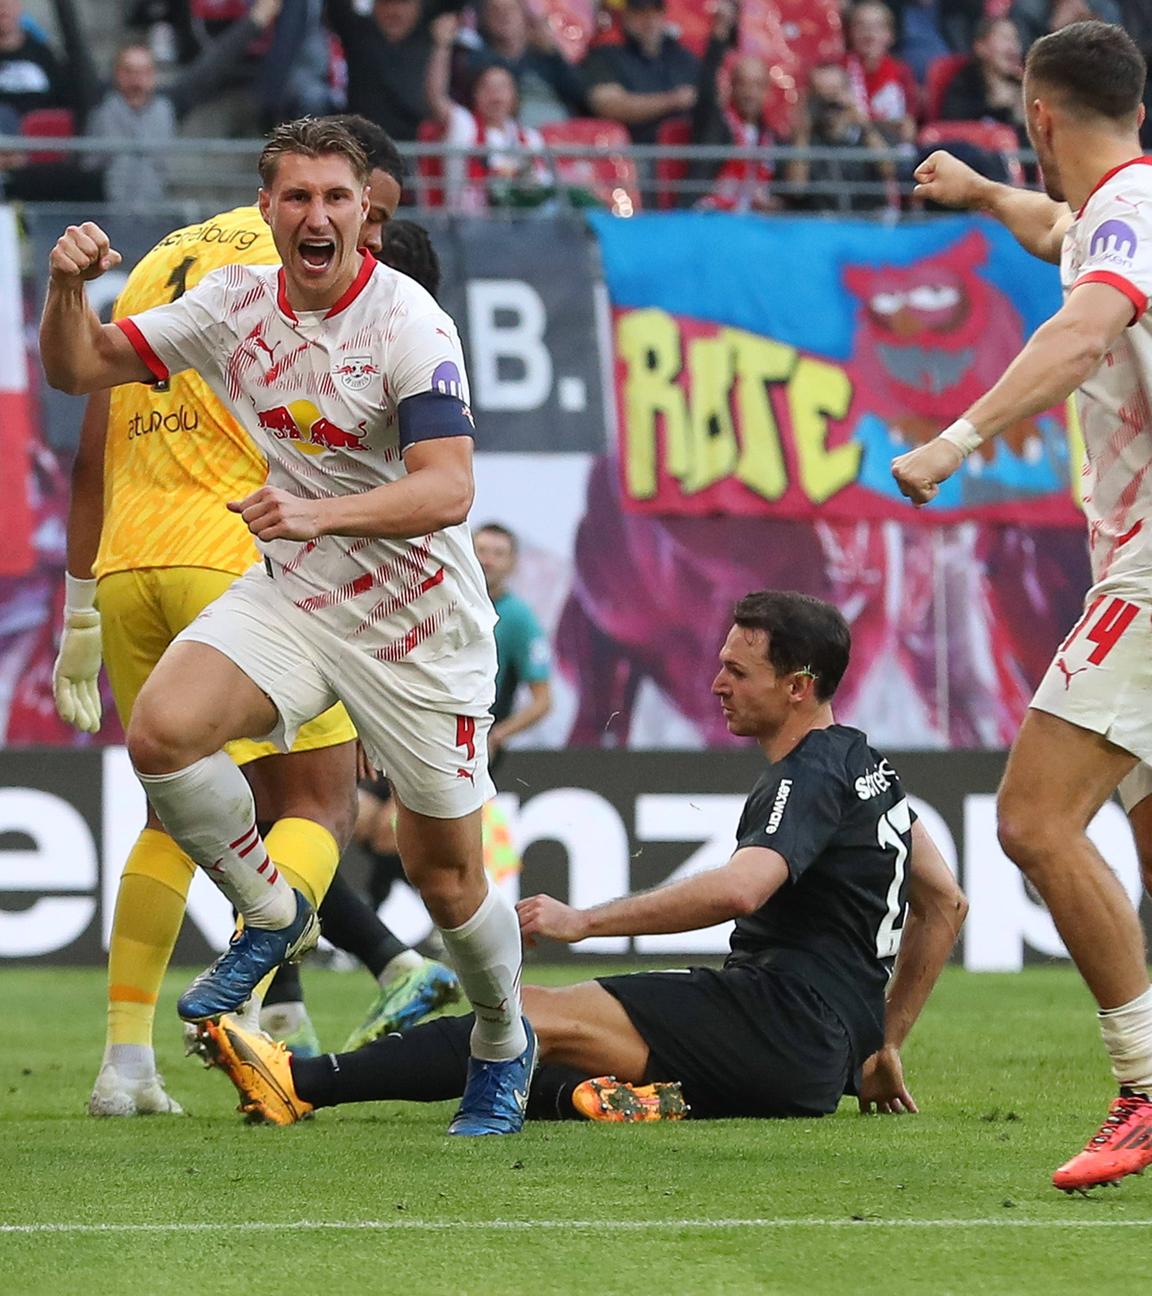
(317, 255)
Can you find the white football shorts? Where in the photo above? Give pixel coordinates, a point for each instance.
(1101, 680)
(424, 725)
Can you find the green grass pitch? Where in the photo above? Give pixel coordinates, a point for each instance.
(1008, 1072)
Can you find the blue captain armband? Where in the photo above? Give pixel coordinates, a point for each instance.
(433, 415)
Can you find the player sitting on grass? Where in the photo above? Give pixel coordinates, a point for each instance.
(832, 876)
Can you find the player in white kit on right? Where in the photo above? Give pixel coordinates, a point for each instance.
(1089, 729)
(351, 380)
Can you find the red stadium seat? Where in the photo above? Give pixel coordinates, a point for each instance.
(218, 10)
(937, 80)
(792, 35)
(671, 172)
(429, 169)
(693, 23)
(48, 123)
(612, 178)
(993, 137)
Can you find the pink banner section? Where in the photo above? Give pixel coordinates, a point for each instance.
(16, 556)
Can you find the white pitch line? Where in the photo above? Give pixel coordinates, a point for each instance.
(529, 1225)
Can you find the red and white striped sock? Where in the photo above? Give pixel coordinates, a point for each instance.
(208, 810)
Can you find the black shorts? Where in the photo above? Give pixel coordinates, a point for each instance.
(744, 1041)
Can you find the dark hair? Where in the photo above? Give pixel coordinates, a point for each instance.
(1095, 66)
(379, 149)
(804, 634)
(501, 530)
(405, 246)
(311, 137)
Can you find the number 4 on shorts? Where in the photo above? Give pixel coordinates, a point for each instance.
(1106, 629)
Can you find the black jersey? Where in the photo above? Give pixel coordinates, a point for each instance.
(835, 810)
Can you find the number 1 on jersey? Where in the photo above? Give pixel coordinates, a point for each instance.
(893, 827)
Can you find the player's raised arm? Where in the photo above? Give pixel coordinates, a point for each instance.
(740, 887)
(79, 354)
(936, 912)
(1036, 222)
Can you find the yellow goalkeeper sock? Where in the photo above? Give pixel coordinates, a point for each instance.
(307, 854)
(149, 911)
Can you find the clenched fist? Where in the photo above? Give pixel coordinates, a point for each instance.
(920, 472)
(273, 514)
(81, 253)
(946, 180)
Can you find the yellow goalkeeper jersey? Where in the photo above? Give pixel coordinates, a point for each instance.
(173, 458)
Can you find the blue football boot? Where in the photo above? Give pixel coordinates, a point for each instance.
(251, 955)
(496, 1094)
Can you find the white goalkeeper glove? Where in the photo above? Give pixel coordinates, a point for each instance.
(77, 668)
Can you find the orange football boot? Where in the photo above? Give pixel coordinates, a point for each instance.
(608, 1099)
(1121, 1146)
(259, 1066)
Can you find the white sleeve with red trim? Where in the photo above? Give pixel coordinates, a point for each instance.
(1118, 235)
(182, 334)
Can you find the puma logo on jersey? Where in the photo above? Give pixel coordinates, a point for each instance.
(1067, 673)
(783, 792)
(875, 781)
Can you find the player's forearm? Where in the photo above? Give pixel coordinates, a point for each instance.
(701, 901)
(927, 940)
(416, 505)
(1059, 357)
(70, 339)
(1031, 218)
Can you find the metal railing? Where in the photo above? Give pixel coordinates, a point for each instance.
(209, 173)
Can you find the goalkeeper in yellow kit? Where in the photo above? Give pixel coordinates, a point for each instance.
(151, 543)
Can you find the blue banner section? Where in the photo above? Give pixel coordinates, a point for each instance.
(786, 277)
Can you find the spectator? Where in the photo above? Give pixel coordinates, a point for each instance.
(523, 655)
(833, 118)
(885, 88)
(1036, 18)
(550, 88)
(513, 160)
(30, 73)
(135, 110)
(387, 51)
(922, 40)
(647, 78)
(988, 88)
(296, 73)
(739, 184)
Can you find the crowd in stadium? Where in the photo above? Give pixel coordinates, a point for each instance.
(511, 76)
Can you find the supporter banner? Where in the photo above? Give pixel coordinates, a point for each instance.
(589, 827)
(522, 292)
(16, 554)
(775, 367)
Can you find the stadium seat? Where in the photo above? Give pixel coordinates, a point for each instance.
(611, 178)
(993, 137)
(793, 35)
(692, 21)
(937, 80)
(671, 172)
(48, 123)
(429, 169)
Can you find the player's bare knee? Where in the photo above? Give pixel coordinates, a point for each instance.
(157, 742)
(1033, 842)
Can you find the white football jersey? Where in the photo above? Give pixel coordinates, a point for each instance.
(1110, 241)
(319, 393)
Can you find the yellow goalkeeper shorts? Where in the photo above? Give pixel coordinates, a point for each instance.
(142, 611)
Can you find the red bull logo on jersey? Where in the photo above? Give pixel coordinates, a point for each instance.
(312, 432)
(356, 371)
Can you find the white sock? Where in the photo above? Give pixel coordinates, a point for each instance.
(280, 1019)
(485, 952)
(1127, 1033)
(208, 809)
(132, 1061)
(408, 961)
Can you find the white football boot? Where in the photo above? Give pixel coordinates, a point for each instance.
(117, 1095)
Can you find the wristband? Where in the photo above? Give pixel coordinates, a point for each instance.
(79, 595)
(963, 436)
